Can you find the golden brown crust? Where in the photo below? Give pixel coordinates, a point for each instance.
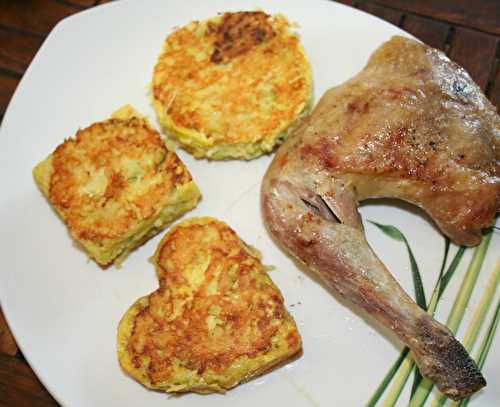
(111, 179)
(232, 86)
(217, 318)
(238, 33)
(411, 125)
(105, 146)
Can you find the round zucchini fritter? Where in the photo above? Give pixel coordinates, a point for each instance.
(216, 320)
(115, 184)
(233, 86)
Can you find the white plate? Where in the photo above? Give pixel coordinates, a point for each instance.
(64, 310)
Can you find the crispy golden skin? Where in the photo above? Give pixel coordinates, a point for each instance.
(411, 125)
(216, 320)
(115, 184)
(233, 86)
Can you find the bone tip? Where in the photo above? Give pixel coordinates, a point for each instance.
(466, 378)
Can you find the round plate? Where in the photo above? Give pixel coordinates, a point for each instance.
(64, 309)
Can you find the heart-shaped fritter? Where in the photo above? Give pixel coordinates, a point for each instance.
(217, 318)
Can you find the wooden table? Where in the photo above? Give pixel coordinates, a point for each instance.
(468, 30)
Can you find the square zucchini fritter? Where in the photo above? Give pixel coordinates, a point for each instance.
(216, 320)
(115, 185)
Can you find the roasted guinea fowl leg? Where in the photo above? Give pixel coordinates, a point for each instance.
(411, 125)
(338, 251)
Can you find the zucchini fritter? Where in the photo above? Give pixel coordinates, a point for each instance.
(233, 86)
(115, 184)
(216, 320)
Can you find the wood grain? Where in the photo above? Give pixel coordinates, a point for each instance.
(8, 84)
(385, 13)
(17, 49)
(346, 2)
(494, 93)
(7, 343)
(19, 386)
(475, 51)
(480, 14)
(82, 3)
(433, 33)
(34, 16)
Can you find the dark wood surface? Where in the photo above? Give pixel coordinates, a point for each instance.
(467, 30)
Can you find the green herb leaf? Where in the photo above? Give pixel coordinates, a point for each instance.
(390, 231)
(416, 381)
(399, 382)
(458, 309)
(396, 234)
(485, 346)
(387, 378)
(440, 286)
(404, 364)
(436, 294)
(477, 321)
(451, 270)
